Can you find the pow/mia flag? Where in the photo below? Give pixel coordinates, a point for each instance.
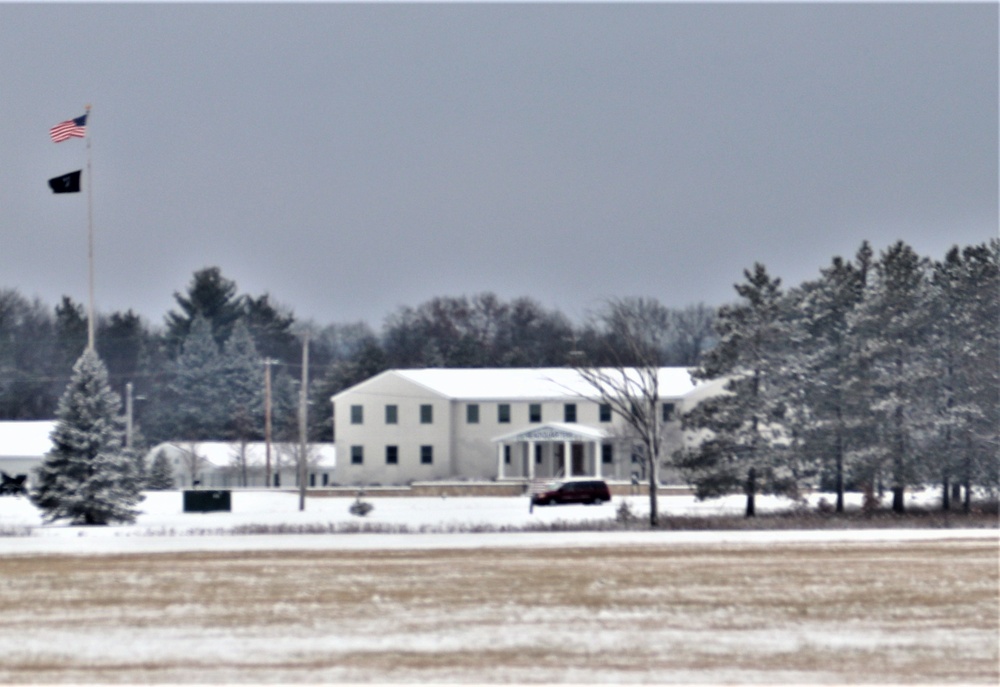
(67, 183)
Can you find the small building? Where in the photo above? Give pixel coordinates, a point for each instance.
(518, 424)
(23, 445)
(221, 464)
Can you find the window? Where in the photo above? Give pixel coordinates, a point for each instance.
(357, 455)
(357, 415)
(426, 455)
(392, 414)
(426, 414)
(472, 413)
(569, 412)
(668, 412)
(506, 455)
(607, 454)
(538, 454)
(535, 412)
(605, 412)
(503, 413)
(391, 455)
(326, 479)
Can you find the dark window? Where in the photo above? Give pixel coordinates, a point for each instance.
(326, 479)
(391, 414)
(535, 412)
(538, 454)
(426, 455)
(426, 414)
(607, 453)
(668, 412)
(357, 455)
(506, 455)
(605, 412)
(312, 479)
(357, 415)
(503, 413)
(472, 413)
(569, 412)
(391, 455)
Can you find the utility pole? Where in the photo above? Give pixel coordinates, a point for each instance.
(267, 423)
(303, 420)
(128, 416)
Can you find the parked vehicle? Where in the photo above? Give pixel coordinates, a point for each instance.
(573, 491)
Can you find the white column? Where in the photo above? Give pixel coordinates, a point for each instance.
(531, 460)
(568, 458)
(500, 447)
(597, 458)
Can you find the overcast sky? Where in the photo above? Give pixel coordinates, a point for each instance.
(349, 159)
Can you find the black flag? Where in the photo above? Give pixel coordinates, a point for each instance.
(67, 183)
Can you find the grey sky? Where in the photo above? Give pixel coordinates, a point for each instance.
(348, 159)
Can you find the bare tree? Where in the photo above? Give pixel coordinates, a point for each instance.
(639, 329)
(192, 461)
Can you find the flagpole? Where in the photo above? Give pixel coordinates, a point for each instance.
(90, 242)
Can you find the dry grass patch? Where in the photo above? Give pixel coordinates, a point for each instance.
(919, 611)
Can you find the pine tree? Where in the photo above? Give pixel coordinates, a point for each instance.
(965, 289)
(194, 401)
(824, 306)
(87, 478)
(747, 444)
(890, 328)
(161, 474)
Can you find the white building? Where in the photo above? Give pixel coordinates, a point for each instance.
(403, 426)
(221, 464)
(23, 445)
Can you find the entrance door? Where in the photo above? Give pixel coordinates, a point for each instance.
(579, 466)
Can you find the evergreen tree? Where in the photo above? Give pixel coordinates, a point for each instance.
(194, 401)
(965, 309)
(892, 355)
(211, 297)
(87, 478)
(824, 306)
(161, 473)
(242, 380)
(748, 445)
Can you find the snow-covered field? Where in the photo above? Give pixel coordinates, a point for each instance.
(180, 598)
(428, 522)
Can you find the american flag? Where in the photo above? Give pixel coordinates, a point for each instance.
(71, 127)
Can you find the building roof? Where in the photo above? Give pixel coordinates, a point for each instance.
(546, 383)
(26, 439)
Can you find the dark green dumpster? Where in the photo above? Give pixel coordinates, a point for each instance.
(205, 500)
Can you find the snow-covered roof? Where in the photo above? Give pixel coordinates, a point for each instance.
(528, 383)
(221, 453)
(28, 438)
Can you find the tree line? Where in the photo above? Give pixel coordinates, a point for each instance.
(882, 373)
(200, 375)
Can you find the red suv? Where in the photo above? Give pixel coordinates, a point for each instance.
(573, 491)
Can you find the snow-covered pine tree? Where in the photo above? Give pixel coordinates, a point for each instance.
(890, 328)
(161, 474)
(745, 439)
(194, 400)
(87, 478)
(824, 306)
(243, 381)
(965, 307)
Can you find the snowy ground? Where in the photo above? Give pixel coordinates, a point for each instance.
(429, 522)
(181, 598)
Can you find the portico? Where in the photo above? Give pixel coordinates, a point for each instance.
(555, 449)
